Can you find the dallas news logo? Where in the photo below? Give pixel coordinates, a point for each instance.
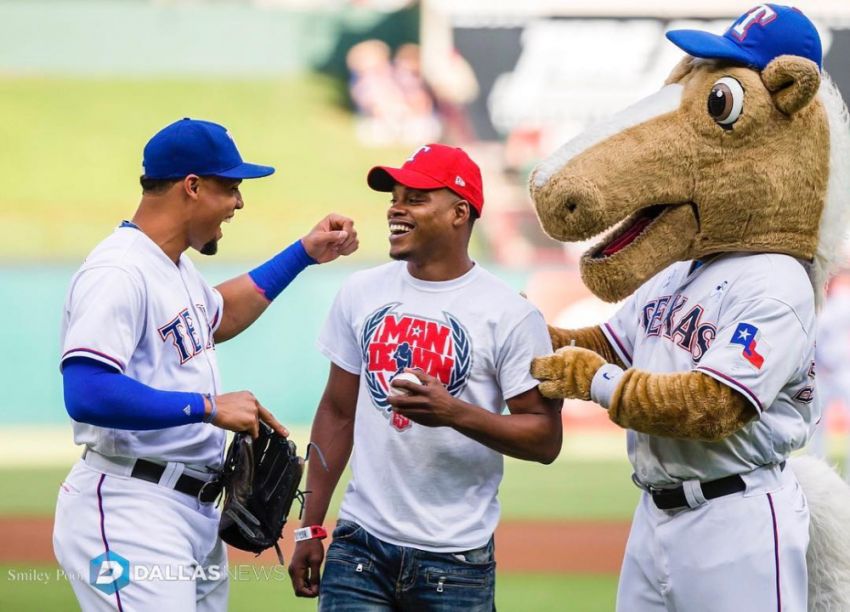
(109, 572)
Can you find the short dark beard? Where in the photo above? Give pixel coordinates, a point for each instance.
(210, 248)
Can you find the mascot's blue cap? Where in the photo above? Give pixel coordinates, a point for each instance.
(756, 38)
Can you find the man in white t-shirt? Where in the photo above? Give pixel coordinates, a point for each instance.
(416, 525)
(135, 527)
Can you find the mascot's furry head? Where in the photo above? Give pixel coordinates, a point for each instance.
(746, 148)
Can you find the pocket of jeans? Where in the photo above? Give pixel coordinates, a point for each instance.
(477, 556)
(477, 578)
(345, 530)
(346, 555)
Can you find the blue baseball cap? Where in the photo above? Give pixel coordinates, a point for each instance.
(756, 38)
(192, 146)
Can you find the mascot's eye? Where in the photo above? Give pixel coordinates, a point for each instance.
(726, 101)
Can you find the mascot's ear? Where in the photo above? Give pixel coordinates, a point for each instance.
(793, 82)
(680, 70)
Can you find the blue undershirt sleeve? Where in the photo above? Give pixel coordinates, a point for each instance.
(273, 276)
(98, 394)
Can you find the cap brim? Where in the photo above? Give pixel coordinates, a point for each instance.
(246, 171)
(384, 178)
(709, 46)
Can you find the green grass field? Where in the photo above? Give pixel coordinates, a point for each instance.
(572, 489)
(72, 154)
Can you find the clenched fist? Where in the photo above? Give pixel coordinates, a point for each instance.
(333, 236)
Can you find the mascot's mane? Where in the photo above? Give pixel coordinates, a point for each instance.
(836, 212)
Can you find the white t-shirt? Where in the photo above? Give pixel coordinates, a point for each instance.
(429, 488)
(746, 320)
(130, 307)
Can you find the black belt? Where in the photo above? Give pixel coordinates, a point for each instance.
(669, 499)
(205, 491)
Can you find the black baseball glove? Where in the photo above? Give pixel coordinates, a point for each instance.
(260, 480)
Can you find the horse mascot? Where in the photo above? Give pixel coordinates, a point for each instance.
(726, 195)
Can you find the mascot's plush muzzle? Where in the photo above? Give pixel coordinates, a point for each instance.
(602, 187)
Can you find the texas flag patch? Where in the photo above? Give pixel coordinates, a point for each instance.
(755, 347)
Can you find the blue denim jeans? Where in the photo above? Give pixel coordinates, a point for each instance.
(365, 574)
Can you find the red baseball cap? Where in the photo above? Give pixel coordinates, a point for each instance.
(434, 166)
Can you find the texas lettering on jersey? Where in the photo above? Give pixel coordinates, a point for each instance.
(183, 333)
(391, 342)
(667, 317)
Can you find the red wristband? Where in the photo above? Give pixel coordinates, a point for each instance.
(313, 532)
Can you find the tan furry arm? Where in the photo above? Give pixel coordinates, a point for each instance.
(688, 405)
(587, 337)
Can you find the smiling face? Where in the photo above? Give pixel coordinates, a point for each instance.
(218, 200)
(425, 224)
(724, 158)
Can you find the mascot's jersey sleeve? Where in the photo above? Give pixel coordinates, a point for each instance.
(762, 345)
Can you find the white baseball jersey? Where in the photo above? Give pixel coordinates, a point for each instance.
(131, 307)
(411, 485)
(747, 320)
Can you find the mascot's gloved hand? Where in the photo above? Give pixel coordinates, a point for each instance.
(604, 383)
(567, 374)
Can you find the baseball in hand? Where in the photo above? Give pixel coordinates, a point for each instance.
(408, 376)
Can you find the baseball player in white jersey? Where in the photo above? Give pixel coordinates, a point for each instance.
(722, 318)
(135, 526)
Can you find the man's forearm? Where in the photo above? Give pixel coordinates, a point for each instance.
(533, 437)
(334, 436)
(243, 304)
(246, 297)
(100, 395)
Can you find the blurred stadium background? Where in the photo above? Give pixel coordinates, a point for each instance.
(323, 90)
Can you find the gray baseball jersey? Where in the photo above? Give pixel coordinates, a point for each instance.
(746, 320)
